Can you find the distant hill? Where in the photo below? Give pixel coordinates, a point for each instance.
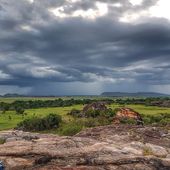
(138, 94)
(12, 95)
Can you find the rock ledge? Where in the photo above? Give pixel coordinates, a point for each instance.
(121, 147)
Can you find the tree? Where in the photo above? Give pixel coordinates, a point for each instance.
(19, 110)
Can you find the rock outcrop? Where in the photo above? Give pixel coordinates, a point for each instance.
(101, 106)
(127, 113)
(122, 147)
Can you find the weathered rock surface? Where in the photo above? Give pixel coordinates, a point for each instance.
(122, 147)
(127, 113)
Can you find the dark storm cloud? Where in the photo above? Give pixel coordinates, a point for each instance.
(37, 47)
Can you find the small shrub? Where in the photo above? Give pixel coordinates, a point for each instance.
(2, 141)
(9, 117)
(92, 113)
(102, 121)
(75, 113)
(147, 151)
(19, 110)
(156, 118)
(90, 122)
(71, 129)
(111, 112)
(146, 120)
(128, 121)
(165, 121)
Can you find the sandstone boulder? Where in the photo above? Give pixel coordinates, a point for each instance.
(127, 113)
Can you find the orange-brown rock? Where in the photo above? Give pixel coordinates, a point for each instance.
(127, 113)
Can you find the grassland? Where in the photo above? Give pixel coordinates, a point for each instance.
(145, 110)
(10, 119)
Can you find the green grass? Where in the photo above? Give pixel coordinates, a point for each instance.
(145, 110)
(7, 123)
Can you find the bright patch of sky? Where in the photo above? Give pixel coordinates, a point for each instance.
(135, 2)
(31, 1)
(160, 10)
(101, 9)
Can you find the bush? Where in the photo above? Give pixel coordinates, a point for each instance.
(2, 141)
(102, 120)
(162, 119)
(90, 122)
(165, 121)
(75, 113)
(128, 121)
(96, 113)
(38, 124)
(75, 126)
(52, 121)
(19, 110)
(109, 113)
(146, 120)
(71, 129)
(92, 113)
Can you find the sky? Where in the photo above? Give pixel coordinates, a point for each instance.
(83, 47)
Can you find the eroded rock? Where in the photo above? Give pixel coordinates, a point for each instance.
(127, 113)
(108, 147)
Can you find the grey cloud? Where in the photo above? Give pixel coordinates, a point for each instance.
(36, 47)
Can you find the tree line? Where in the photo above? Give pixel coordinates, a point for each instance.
(20, 105)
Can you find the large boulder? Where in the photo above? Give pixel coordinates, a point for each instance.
(127, 113)
(95, 106)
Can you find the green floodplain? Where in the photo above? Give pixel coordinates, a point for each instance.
(10, 119)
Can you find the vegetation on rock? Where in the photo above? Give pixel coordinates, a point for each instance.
(2, 141)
